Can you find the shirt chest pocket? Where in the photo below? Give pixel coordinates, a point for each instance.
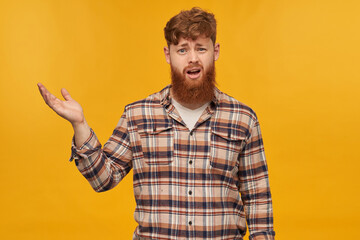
(226, 145)
(157, 144)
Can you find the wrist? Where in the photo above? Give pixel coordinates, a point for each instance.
(79, 125)
(81, 132)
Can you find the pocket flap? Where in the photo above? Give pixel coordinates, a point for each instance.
(153, 129)
(229, 133)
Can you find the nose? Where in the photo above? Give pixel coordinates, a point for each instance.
(193, 57)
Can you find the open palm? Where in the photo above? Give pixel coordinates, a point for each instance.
(68, 109)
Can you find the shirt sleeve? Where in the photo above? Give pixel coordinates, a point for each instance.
(104, 167)
(254, 187)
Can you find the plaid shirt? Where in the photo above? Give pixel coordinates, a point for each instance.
(186, 183)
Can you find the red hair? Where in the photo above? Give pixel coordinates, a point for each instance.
(190, 24)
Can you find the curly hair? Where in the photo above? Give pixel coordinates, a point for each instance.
(190, 24)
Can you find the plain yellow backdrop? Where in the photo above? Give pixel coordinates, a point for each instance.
(296, 63)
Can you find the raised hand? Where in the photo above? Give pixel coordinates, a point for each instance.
(70, 110)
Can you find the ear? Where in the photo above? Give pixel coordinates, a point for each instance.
(216, 51)
(167, 54)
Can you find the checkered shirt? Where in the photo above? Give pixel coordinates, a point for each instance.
(206, 183)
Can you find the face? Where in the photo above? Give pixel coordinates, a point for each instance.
(192, 69)
(192, 58)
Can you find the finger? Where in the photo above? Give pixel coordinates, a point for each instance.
(43, 91)
(39, 84)
(47, 96)
(66, 94)
(41, 87)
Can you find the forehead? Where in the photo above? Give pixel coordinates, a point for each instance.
(201, 40)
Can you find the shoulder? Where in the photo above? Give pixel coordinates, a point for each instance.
(148, 110)
(229, 104)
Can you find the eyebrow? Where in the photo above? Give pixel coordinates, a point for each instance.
(186, 45)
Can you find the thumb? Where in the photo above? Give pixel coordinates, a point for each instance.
(66, 94)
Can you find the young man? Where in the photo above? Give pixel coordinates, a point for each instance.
(192, 148)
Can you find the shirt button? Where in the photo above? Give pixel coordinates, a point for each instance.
(190, 192)
(190, 162)
(190, 223)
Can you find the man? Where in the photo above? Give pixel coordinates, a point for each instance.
(192, 148)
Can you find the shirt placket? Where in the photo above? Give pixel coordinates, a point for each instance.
(190, 190)
(187, 192)
(194, 135)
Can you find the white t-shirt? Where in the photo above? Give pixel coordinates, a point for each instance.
(189, 116)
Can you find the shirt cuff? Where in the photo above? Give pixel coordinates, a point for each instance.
(269, 235)
(86, 148)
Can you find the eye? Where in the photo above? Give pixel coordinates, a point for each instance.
(181, 50)
(202, 49)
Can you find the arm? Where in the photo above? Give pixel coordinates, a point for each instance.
(103, 168)
(254, 187)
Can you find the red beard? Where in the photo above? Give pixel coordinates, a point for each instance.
(193, 91)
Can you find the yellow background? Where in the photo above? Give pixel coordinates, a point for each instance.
(296, 63)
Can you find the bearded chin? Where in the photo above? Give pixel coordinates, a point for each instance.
(193, 91)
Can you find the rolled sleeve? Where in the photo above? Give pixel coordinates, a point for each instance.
(91, 145)
(104, 167)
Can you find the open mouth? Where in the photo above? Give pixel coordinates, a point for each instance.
(193, 73)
